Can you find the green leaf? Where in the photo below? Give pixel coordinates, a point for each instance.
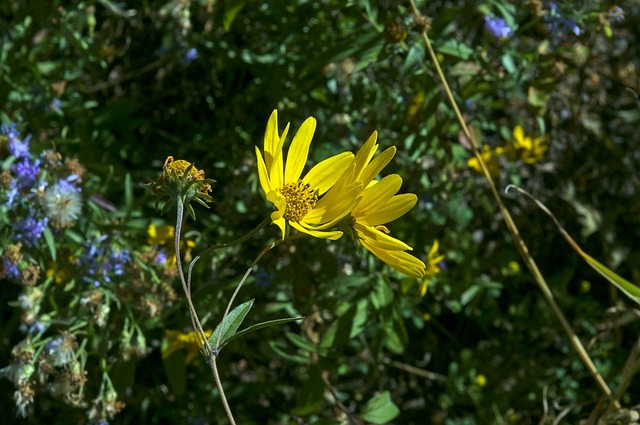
(230, 325)
(629, 289)
(279, 348)
(51, 242)
(413, 60)
(262, 325)
(311, 397)
(301, 342)
(380, 409)
(456, 49)
(382, 295)
(174, 367)
(230, 15)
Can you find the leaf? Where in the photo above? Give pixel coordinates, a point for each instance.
(626, 287)
(230, 325)
(362, 46)
(279, 348)
(301, 342)
(51, 242)
(380, 409)
(262, 325)
(412, 61)
(456, 49)
(311, 397)
(230, 15)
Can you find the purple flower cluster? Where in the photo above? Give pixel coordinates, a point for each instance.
(101, 261)
(29, 230)
(497, 27)
(38, 193)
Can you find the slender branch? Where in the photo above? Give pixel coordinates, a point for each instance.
(520, 245)
(195, 321)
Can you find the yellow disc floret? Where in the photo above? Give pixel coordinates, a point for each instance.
(300, 197)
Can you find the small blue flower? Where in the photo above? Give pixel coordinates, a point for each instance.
(55, 104)
(26, 173)
(29, 230)
(558, 25)
(161, 257)
(11, 270)
(18, 148)
(37, 328)
(497, 27)
(190, 55)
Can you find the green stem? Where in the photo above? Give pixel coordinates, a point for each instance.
(195, 321)
(520, 245)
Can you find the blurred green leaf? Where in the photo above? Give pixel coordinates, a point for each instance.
(380, 409)
(311, 396)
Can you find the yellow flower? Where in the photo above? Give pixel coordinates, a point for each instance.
(434, 258)
(58, 271)
(378, 205)
(190, 341)
(164, 236)
(490, 158)
(527, 149)
(299, 202)
(180, 166)
(161, 235)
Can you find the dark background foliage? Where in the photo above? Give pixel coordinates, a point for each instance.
(121, 86)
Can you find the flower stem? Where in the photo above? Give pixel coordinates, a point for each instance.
(195, 321)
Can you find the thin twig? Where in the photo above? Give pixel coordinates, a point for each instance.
(520, 245)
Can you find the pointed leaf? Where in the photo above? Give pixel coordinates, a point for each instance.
(262, 325)
(627, 288)
(230, 325)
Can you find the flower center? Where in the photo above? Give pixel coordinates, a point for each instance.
(300, 199)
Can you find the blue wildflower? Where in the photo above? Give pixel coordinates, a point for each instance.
(190, 55)
(11, 269)
(29, 230)
(102, 261)
(558, 25)
(26, 173)
(161, 257)
(18, 148)
(497, 27)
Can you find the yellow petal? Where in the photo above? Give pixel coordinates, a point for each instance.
(325, 174)
(271, 137)
(375, 166)
(299, 150)
(334, 205)
(396, 207)
(365, 153)
(399, 260)
(518, 134)
(331, 235)
(276, 171)
(281, 223)
(263, 174)
(373, 236)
